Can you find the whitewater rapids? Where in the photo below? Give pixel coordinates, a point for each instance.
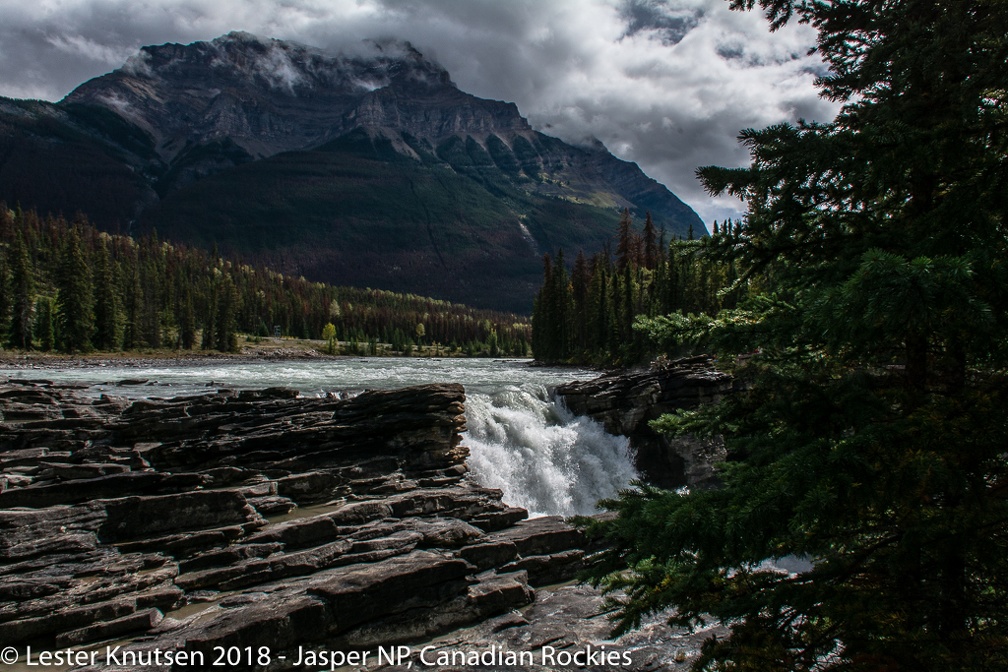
(540, 455)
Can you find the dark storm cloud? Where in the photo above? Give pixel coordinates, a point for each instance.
(671, 23)
(665, 83)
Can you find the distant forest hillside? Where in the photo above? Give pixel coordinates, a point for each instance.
(65, 286)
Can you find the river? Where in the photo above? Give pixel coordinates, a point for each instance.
(521, 440)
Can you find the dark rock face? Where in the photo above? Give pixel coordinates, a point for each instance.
(625, 402)
(254, 519)
(270, 96)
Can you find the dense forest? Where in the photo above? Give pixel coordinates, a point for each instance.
(866, 434)
(587, 314)
(65, 286)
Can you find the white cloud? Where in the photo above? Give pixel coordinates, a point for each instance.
(80, 46)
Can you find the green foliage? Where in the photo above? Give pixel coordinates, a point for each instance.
(108, 330)
(5, 302)
(148, 294)
(329, 336)
(868, 436)
(22, 291)
(601, 311)
(45, 329)
(75, 297)
(226, 320)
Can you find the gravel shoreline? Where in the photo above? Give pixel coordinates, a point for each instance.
(46, 360)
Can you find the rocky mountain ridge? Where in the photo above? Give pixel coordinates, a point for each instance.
(269, 96)
(369, 168)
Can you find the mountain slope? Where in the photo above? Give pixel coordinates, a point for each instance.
(371, 169)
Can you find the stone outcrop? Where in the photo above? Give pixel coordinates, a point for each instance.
(626, 402)
(254, 519)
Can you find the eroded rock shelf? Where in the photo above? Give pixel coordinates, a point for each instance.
(252, 517)
(243, 519)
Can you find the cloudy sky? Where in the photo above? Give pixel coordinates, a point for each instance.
(665, 83)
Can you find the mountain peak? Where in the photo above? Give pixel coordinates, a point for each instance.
(366, 166)
(284, 66)
(265, 94)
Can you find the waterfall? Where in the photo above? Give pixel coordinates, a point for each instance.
(544, 458)
(540, 455)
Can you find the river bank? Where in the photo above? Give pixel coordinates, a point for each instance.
(250, 350)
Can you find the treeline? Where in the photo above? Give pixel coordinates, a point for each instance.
(65, 286)
(587, 315)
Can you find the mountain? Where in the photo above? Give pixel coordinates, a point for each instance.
(369, 168)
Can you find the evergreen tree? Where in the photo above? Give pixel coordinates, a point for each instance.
(5, 303)
(628, 305)
(22, 291)
(227, 311)
(650, 238)
(74, 298)
(209, 340)
(152, 274)
(580, 281)
(45, 331)
(561, 309)
(627, 242)
(602, 317)
(187, 320)
(108, 320)
(133, 301)
(870, 434)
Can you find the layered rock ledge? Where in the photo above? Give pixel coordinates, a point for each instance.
(254, 518)
(625, 402)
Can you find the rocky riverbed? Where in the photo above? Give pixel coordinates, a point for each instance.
(231, 521)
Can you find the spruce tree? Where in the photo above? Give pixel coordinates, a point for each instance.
(152, 281)
(108, 320)
(133, 301)
(561, 309)
(650, 242)
(210, 322)
(5, 302)
(187, 320)
(580, 281)
(627, 242)
(603, 307)
(22, 292)
(74, 298)
(45, 330)
(869, 430)
(226, 319)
